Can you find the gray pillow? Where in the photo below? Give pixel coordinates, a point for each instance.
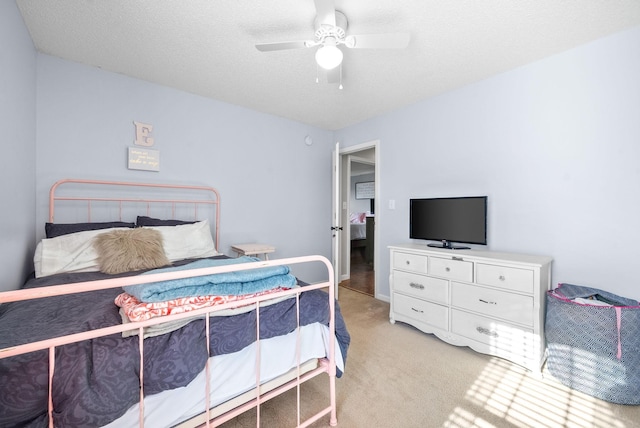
(150, 221)
(58, 229)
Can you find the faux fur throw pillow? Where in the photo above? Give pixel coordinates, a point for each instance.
(130, 250)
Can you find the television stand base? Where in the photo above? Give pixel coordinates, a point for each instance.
(447, 245)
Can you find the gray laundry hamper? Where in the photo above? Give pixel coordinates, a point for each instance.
(591, 348)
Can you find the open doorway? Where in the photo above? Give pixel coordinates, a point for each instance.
(358, 203)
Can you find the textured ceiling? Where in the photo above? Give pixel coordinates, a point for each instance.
(207, 47)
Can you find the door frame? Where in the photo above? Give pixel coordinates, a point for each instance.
(345, 154)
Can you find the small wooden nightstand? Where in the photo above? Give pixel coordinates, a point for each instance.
(253, 249)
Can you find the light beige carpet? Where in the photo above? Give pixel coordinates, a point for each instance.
(397, 376)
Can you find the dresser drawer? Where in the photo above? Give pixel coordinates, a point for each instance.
(410, 262)
(505, 277)
(499, 335)
(423, 287)
(419, 310)
(494, 303)
(453, 269)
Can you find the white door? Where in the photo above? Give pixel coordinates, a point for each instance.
(336, 229)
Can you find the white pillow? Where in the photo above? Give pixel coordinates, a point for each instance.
(73, 252)
(187, 241)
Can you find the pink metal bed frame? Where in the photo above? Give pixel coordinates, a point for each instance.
(326, 365)
(210, 196)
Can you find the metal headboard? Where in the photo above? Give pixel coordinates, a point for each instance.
(110, 193)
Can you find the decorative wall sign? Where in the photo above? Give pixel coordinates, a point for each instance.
(144, 159)
(143, 134)
(366, 190)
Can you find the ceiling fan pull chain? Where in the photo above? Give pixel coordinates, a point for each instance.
(340, 86)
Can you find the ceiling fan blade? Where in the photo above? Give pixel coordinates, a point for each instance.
(378, 41)
(278, 46)
(326, 12)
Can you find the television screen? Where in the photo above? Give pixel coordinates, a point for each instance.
(462, 219)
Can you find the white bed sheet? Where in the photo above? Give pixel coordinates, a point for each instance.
(231, 374)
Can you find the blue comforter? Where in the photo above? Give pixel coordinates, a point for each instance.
(221, 284)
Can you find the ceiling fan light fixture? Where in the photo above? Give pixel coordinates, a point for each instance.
(329, 56)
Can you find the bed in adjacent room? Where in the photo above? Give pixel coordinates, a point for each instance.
(361, 233)
(358, 230)
(133, 318)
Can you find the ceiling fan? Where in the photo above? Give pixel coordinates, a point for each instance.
(330, 33)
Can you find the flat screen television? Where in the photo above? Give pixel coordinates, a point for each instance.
(460, 219)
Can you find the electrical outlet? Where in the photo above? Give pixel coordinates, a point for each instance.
(392, 204)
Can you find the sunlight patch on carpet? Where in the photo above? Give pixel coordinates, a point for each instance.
(516, 396)
(461, 418)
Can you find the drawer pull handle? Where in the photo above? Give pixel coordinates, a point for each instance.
(408, 262)
(416, 285)
(448, 269)
(488, 302)
(501, 278)
(486, 331)
(417, 310)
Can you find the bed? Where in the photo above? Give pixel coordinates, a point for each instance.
(358, 230)
(140, 321)
(361, 232)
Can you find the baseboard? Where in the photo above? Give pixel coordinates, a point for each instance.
(383, 298)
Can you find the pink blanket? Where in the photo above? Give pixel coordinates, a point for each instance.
(139, 311)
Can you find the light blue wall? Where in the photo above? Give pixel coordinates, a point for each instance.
(17, 139)
(274, 188)
(77, 121)
(554, 144)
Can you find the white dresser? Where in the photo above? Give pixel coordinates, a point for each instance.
(491, 302)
